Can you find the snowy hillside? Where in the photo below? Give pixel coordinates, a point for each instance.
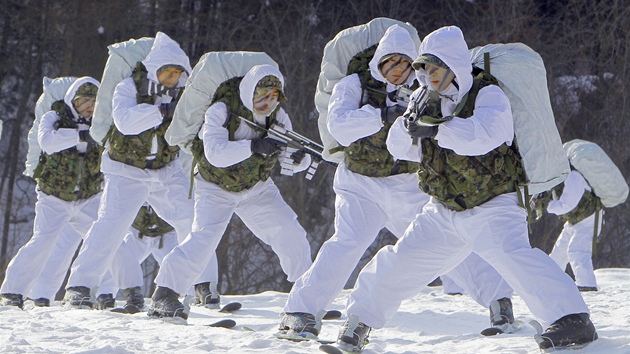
(431, 322)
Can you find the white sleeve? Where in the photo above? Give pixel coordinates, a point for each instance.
(400, 144)
(130, 117)
(219, 150)
(490, 125)
(51, 140)
(347, 121)
(574, 187)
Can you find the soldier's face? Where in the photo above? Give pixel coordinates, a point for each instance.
(440, 77)
(169, 76)
(396, 70)
(84, 106)
(266, 102)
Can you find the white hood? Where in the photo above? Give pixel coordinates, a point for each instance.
(250, 80)
(166, 51)
(396, 40)
(72, 90)
(448, 44)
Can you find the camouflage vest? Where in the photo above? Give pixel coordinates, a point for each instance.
(149, 224)
(463, 182)
(134, 149)
(247, 173)
(68, 174)
(369, 156)
(588, 205)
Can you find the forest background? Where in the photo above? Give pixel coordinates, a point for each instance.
(584, 44)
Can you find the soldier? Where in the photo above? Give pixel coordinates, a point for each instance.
(473, 207)
(235, 160)
(69, 184)
(138, 165)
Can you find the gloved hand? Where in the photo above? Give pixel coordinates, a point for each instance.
(389, 114)
(84, 136)
(420, 131)
(167, 110)
(266, 146)
(298, 156)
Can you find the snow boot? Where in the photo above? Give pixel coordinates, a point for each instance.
(105, 301)
(353, 335)
(570, 332)
(166, 304)
(12, 300)
(501, 312)
(135, 299)
(78, 297)
(206, 295)
(300, 323)
(42, 302)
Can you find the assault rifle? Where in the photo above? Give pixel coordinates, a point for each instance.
(295, 142)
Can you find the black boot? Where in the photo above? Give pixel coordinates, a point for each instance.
(78, 297)
(135, 299)
(353, 335)
(105, 301)
(571, 331)
(206, 294)
(166, 304)
(12, 300)
(501, 312)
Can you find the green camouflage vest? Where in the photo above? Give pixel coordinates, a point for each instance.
(248, 172)
(149, 224)
(68, 174)
(463, 182)
(369, 156)
(134, 149)
(588, 205)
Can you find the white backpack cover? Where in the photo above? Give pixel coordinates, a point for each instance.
(121, 62)
(53, 90)
(337, 55)
(599, 170)
(212, 69)
(522, 76)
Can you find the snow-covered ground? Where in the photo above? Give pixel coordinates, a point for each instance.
(431, 322)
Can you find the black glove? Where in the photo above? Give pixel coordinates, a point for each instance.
(389, 114)
(420, 131)
(167, 110)
(298, 156)
(265, 146)
(84, 136)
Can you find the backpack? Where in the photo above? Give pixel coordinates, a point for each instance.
(213, 69)
(599, 170)
(53, 90)
(521, 74)
(122, 59)
(338, 54)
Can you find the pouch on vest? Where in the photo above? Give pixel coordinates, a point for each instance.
(53, 90)
(211, 71)
(522, 76)
(599, 170)
(122, 59)
(337, 55)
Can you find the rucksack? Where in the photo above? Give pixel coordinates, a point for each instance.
(521, 74)
(338, 53)
(53, 90)
(213, 69)
(122, 59)
(599, 170)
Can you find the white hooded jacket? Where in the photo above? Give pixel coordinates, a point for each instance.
(53, 140)
(348, 121)
(491, 123)
(218, 149)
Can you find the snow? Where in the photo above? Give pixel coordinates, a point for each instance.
(431, 322)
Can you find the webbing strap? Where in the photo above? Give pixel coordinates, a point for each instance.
(595, 229)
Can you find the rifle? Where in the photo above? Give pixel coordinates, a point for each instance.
(295, 142)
